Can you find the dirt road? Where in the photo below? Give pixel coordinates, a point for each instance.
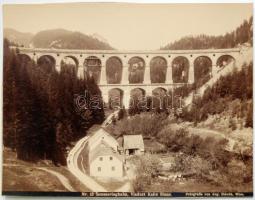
(64, 181)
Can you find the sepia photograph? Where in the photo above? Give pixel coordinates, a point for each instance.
(127, 99)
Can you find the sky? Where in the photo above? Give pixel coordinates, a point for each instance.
(129, 26)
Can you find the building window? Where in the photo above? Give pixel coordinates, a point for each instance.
(101, 158)
(110, 158)
(113, 168)
(99, 169)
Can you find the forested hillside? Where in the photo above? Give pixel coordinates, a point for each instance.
(231, 94)
(241, 35)
(40, 115)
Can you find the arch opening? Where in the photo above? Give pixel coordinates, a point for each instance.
(224, 60)
(69, 64)
(93, 67)
(180, 69)
(158, 68)
(202, 70)
(136, 70)
(138, 92)
(159, 100)
(138, 102)
(47, 62)
(159, 91)
(24, 58)
(115, 98)
(114, 69)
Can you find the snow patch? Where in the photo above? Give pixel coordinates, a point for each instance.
(99, 37)
(56, 43)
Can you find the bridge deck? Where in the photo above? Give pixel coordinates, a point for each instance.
(81, 51)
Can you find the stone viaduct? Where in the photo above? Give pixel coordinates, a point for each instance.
(124, 85)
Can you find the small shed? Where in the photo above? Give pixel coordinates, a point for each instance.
(133, 144)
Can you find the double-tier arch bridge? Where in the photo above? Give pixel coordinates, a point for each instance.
(169, 59)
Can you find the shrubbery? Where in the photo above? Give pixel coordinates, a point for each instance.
(147, 124)
(146, 171)
(205, 159)
(235, 87)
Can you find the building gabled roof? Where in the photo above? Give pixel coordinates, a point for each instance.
(103, 149)
(133, 142)
(99, 135)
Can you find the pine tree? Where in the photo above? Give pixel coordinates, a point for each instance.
(9, 88)
(249, 117)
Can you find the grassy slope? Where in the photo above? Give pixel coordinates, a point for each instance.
(19, 175)
(24, 178)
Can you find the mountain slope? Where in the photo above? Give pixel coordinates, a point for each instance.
(242, 34)
(60, 38)
(17, 37)
(57, 38)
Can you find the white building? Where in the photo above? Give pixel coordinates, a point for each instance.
(104, 157)
(104, 161)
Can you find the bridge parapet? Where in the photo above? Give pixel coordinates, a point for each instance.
(134, 52)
